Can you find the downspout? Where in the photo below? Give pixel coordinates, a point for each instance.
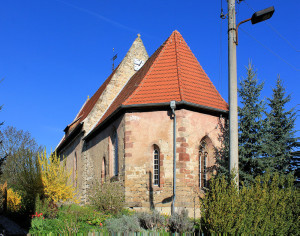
(173, 106)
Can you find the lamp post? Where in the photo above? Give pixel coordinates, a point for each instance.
(232, 80)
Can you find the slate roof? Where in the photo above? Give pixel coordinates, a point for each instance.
(171, 73)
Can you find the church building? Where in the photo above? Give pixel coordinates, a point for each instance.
(145, 111)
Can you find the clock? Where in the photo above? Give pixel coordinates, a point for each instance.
(138, 64)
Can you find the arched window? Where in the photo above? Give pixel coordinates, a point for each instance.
(115, 153)
(203, 164)
(156, 169)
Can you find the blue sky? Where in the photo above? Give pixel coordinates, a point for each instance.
(54, 53)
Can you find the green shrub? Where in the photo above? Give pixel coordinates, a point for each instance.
(38, 225)
(125, 224)
(80, 213)
(152, 221)
(180, 222)
(108, 197)
(268, 206)
(46, 206)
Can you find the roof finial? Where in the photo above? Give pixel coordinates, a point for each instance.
(88, 98)
(138, 35)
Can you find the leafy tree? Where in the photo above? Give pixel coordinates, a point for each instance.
(55, 179)
(21, 167)
(2, 159)
(17, 146)
(280, 133)
(251, 127)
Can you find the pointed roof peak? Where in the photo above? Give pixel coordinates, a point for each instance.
(138, 38)
(171, 73)
(177, 33)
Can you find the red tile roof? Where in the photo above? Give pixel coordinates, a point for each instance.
(171, 73)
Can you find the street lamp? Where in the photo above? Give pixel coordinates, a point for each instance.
(232, 81)
(257, 17)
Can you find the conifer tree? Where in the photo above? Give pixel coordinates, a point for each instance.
(295, 162)
(222, 153)
(280, 124)
(251, 127)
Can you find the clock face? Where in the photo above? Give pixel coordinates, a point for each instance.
(138, 64)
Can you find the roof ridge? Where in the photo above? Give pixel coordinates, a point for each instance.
(178, 65)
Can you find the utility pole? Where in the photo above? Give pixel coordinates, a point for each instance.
(232, 86)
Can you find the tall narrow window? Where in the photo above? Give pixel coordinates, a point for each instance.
(75, 170)
(115, 153)
(156, 167)
(202, 165)
(103, 170)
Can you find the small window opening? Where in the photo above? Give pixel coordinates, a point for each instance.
(156, 167)
(203, 165)
(115, 153)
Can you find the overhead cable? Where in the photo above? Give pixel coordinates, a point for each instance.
(270, 50)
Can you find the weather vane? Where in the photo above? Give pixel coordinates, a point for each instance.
(113, 59)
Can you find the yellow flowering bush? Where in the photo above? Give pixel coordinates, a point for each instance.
(55, 179)
(13, 200)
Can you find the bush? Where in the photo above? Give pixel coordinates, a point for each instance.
(268, 206)
(3, 197)
(151, 221)
(71, 219)
(13, 201)
(46, 206)
(55, 179)
(108, 197)
(180, 222)
(125, 224)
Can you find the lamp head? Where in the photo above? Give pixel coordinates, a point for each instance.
(262, 15)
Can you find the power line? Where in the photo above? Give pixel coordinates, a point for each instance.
(281, 36)
(275, 30)
(270, 50)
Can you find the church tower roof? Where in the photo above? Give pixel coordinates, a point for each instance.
(171, 73)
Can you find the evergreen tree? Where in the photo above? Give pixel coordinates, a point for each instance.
(251, 127)
(295, 162)
(222, 153)
(280, 124)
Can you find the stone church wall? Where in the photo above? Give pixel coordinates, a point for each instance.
(138, 134)
(101, 147)
(75, 161)
(146, 129)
